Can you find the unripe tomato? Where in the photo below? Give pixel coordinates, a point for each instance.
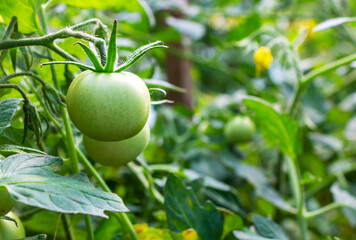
(239, 129)
(9, 230)
(117, 153)
(6, 202)
(108, 106)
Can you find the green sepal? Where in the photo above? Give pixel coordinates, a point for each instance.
(111, 53)
(91, 55)
(158, 96)
(80, 65)
(136, 55)
(27, 55)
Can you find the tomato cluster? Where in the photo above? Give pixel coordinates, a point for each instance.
(111, 110)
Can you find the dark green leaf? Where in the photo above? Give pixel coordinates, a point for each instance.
(268, 228)
(249, 236)
(38, 237)
(30, 179)
(184, 211)
(8, 108)
(8, 148)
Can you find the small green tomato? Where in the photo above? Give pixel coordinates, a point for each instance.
(9, 230)
(117, 153)
(6, 202)
(239, 129)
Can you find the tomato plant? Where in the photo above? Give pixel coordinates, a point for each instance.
(10, 230)
(117, 153)
(6, 202)
(108, 106)
(239, 129)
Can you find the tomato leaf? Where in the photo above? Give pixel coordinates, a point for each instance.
(138, 53)
(333, 22)
(278, 129)
(268, 228)
(184, 211)
(24, 10)
(30, 179)
(9, 148)
(8, 108)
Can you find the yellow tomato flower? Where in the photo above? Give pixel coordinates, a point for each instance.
(263, 59)
(308, 24)
(190, 234)
(140, 228)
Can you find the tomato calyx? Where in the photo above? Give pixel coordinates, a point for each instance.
(111, 55)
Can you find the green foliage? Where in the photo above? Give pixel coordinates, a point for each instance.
(30, 179)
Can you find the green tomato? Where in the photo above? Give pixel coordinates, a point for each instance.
(6, 202)
(239, 130)
(108, 106)
(117, 153)
(9, 230)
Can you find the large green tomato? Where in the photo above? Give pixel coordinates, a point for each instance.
(6, 202)
(108, 106)
(239, 129)
(117, 153)
(9, 230)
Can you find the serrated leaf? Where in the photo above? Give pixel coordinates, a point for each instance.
(278, 129)
(30, 179)
(268, 228)
(332, 23)
(138, 53)
(8, 108)
(184, 211)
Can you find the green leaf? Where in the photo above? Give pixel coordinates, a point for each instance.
(333, 22)
(24, 10)
(30, 179)
(93, 58)
(268, 228)
(278, 129)
(184, 211)
(11, 149)
(8, 108)
(38, 237)
(232, 222)
(153, 83)
(344, 196)
(138, 53)
(248, 236)
(111, 53)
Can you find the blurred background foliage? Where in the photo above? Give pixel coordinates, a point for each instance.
(212, 43)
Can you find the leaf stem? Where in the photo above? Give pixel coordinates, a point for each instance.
(324, 209)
